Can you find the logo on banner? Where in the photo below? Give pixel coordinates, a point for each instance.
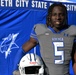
(8, 44)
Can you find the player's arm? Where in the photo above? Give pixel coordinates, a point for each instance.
(74, 65)
(31, 43)
(73, 54)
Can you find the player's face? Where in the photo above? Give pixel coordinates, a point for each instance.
(57, 17)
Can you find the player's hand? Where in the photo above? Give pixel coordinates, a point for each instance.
(16, 72)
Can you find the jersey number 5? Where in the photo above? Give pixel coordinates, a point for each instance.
(58, 53)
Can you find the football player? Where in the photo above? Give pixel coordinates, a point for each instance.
(55, 39)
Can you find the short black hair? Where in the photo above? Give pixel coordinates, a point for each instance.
(50, 10)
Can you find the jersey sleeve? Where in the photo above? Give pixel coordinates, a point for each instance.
(33, 34)
(38, 29)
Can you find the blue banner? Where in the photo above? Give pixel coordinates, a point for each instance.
(35, 4)
(17, 18)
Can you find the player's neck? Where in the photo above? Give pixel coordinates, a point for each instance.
(55, 29)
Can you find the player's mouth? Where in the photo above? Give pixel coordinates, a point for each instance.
(57, 22)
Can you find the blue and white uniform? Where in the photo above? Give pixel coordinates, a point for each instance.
(55, 48)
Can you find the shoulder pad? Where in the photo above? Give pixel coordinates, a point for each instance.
(40, 29)
(71, 30)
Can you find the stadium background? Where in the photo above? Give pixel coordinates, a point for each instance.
(15, 26)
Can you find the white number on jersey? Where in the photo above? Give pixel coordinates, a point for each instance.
(59, 53)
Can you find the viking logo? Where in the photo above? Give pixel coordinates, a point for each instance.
(8, 43)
